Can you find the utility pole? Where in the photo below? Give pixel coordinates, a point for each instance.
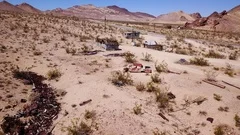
(132, 34)
(154, 27)
(105, 21)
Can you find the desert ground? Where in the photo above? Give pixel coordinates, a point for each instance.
(139, 106)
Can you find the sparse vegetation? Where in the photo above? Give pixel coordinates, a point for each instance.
(229, 70)
(121, 78)
(54, 74)
(130, 57)
(214, 54)
(156, 78)
(210, 75)
(237, 120)
(234, 55)
(162, 98)
(203, 113)
(199, 61)
(71, 51)
(77, 128)
(147, 57)
(140, 86)
(90, 114)
(137, 109)
(223, 109)
(217, 97)
(162, 67)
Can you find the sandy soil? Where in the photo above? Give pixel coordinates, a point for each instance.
(87, 77)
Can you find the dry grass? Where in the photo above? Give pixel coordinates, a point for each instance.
(211, 75)
(199, 61)
(137, 109)
(130, 57)
(229, 70)
(140, 86)
(162, 98)
(54, 74)
(77, 128)
(156, 78)
(162, 67)
(120, 78)
(147, 57)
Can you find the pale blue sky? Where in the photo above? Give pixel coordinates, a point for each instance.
(154, 7)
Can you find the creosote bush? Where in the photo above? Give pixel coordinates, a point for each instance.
(210, 75)
(199, 61)
(90, 114)
(54, 74)
(217, 97)
(77, 128)
(156, 78)
(147, 57)
(130, 57)
(137, 109)
(120, 78)
(162, 98)
(72, 51)
(162, 67)
(140, 86)
(213, 54)
(229, 70)
(234, 55)
(237, 120)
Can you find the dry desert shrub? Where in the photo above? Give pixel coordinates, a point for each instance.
(140, 86)
(147, 57)
(223, 109)
(72, 51)
(211, 75)
(54, 74)
(162, 98)
(77, 128)
(130, 57)
(120, 78)
(217, 97)
(214, 54)
(199, 61)
(223, 129)
(162, 67)
(234, 55)
(229, 70)
(137, 109)
(156, 78)
(237, 120)
(90, 114)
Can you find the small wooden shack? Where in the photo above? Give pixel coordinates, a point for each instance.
(153, 45)
(108, 44)
(132, 35)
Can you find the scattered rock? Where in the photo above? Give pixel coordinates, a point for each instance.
(8, 107)
(210, 119)
(171, 95)
(23, 100)
(74, 105)
(9, 96)
(238, 97)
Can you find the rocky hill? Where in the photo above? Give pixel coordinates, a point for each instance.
(228, 21)
(6, 6)
(28, 8)
(174, 18)
(110, 12)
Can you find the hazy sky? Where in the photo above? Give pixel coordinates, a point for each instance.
(154, 7)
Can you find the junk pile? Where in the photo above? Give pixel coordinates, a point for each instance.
(183, 62)
(137, 68)
(37, 117)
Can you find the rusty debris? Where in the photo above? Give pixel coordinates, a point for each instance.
(215, 84)
(37, 117)
(231, 84)
(85, 102)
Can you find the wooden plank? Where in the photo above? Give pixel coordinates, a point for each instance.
(215, 84)
(231, 85)
(160, 114)
(85, 102)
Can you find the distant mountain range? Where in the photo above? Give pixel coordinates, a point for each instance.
(224, 21)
